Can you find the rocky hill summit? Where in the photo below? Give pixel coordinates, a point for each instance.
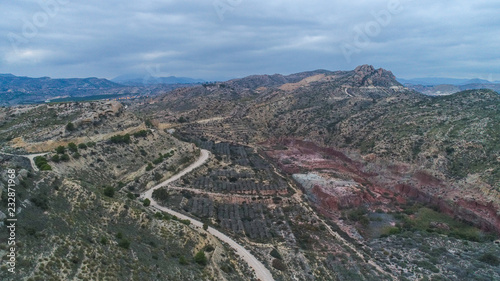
(367, 75)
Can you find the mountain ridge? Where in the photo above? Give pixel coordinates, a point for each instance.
(148, 79)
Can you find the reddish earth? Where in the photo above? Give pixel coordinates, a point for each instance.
(381, 185)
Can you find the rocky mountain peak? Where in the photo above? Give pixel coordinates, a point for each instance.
(367, 75)
(364, 69)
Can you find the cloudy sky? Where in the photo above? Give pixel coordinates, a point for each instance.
(223, 39)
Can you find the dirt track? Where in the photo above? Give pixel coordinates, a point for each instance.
(261, 272)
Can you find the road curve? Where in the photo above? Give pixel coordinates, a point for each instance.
(31, 157)
(261, 271)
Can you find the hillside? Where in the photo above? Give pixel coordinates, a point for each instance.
(321, 175)
(360, 146)
(80, 219)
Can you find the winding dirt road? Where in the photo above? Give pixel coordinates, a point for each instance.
(261, 272)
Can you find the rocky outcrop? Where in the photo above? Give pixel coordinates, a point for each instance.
(367, 75)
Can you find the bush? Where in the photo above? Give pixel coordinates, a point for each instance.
(158, 176)
(109, 191)
(183, 260)
(70, 126)
(279, 265)
(357, 214)
(490, 259)
(91, 144)
(56, 158)
(60, 149)
(82, 146)
(104, 240)
(41, 202)
(41, 163)
(46, 167)
(149, 167)
(161, 194)
(65, 157)
(393, 231)
(124, 243)
(146, 202)
(40, 160)
(72, 147)
(158, 160)
(120, 139)
(200, 258)
(142, 133)
(275, 254)
(205, 226)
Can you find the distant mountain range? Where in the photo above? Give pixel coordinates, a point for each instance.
(146, 79)
(439, 86)
(433, 81)
(25, 90)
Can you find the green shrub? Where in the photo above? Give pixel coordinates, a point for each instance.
(357, 214)
(91, 144)
(46, 167)
(124, 243)
(41, 163)
(65, 157)
(275, 254)
(109, 191)
(149, 167)
(60, 149)
(146, 202)
(40, 160)
(200, 258)
(82, 146)
(279, 265)
(183, 260)
(56, 158)
(120, 139)
(72, 147)
(142, 133)
(70, 126)
(104, 240)
(161, 194)
(41, 202)
(158, 160)
(490, 259)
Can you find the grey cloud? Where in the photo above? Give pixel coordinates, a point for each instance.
(187, 38)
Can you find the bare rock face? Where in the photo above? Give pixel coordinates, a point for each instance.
(439, 225)
(367, 75)
(94, 116)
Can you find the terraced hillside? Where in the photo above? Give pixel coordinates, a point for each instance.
(384, 154)
(343, 175)
(80, 217)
